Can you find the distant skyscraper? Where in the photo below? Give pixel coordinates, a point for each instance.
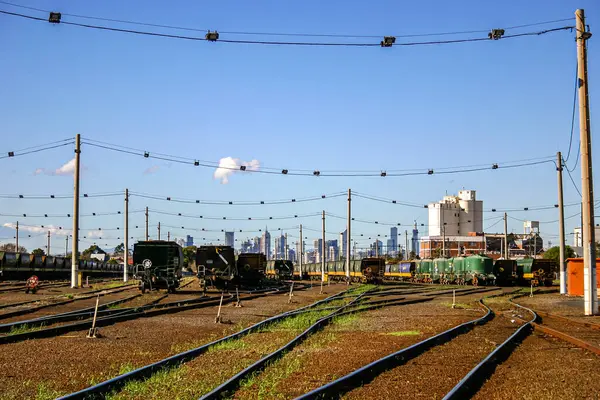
(265, 244)
(180, 242)
(318, 246)
(229, 239)
(415, 239)
(189, 241)
(343, 243)
(280, 244)
(393, 245)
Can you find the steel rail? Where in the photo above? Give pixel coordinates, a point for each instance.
(60, 303)
(144, 372)
(370, 371)
(233, 382)
(62, 317)
(145, 311)
(470, 384)
(542, 327)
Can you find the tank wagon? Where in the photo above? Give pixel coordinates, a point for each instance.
(216, 266)
(17, 266)
(157, 264)
(457, 270)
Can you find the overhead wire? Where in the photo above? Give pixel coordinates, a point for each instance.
(296, 34)
(288, 43)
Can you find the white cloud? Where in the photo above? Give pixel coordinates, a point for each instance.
(229, 165)
(54, 230)
(67, 169)
(151, 170)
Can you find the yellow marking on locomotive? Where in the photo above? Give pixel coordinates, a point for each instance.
(527, 276)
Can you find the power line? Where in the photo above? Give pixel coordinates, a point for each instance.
(573, 113)
(37, 149)
(122, 21)
(315, 172)
(573, 181)
(57, 196)
(265, 42)
(238, 203)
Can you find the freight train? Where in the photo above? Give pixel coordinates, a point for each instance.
(475, 270)
(526, 271)
(158, 264)
(280, 269)
(20, 266)
(369, 270)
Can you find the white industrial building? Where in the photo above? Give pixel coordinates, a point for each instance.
(578, 237)
(458, 214)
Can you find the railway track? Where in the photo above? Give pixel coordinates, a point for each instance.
(409, 370)
(20, 286)
(328, 309)
(62, 300)
(53, 325)
(585, 335)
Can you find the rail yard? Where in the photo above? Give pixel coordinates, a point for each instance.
(337, 340)
(258, 211)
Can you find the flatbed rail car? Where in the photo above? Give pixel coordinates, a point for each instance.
(217, 266)
(280, 269)
(158, 264)
(17, 266)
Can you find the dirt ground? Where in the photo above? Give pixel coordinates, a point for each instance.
(71, 362)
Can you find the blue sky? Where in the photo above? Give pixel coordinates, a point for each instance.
(288, 107)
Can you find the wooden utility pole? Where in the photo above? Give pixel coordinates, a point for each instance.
(17, 237)
(75, 244)
(561, 225)
(48, 252)
(590, 295)
(159, 231)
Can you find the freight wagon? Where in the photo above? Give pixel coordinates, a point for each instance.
(158, 264)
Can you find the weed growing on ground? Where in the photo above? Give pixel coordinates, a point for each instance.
(461, 306)
(267, 383)
(69, 296)
(17, 330)
(345, 320)
(125, 368)
(168, 380)
(232, 344)
(404, 333)
(44, 392)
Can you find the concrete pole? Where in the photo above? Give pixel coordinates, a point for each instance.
(444, 240)
(286, 248)
(301, 251)
(406, 244)
(66, 244)
(324, 244)
(590, 295)
(126, 251)
(48, 252)
(348, 233)
(75, 244)
(17, 237)
(505, 236)
(146, 224)
(561, 226)
(168, 236)
(159, 231)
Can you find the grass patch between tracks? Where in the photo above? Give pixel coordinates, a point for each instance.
(404, 333)
(18, 330)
